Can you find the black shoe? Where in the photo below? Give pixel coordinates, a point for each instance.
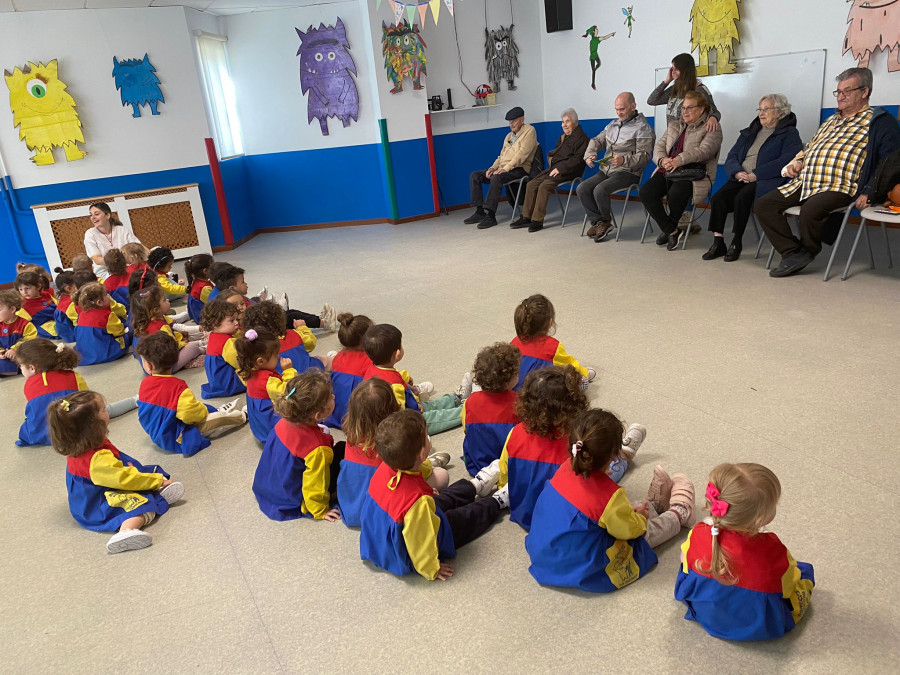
(734, 251)
(488, 221)
(536, 227)
(674, 238)
(717, 250)
(520, 223)
(476, 217)
(792, 264)
(662, 239)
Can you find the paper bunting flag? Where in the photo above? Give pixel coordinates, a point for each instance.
(410, 7)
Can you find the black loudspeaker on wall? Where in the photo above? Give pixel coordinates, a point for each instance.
(559, 15)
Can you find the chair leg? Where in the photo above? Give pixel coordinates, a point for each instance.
(834, 249)
(769, 261)
(760, 235)
(572, 186)
(516, 204)
(687, 230)
(646, 225)
(871, 253)
(844, 276)
(622, 220)
(887, 245)
(584, 225)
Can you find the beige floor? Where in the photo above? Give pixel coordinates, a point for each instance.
(719, 361)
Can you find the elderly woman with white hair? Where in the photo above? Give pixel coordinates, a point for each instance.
(754, 168)
(566, 163)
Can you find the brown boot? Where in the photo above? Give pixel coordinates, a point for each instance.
(660, 489)
(682, 499)
(592, 230)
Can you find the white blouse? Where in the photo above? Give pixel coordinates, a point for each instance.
(97, 243)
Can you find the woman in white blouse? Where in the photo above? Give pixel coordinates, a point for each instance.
(107, 232)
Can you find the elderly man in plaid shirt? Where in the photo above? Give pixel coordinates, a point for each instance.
(836, 168)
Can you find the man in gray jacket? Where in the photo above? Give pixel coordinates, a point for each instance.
(628, 142)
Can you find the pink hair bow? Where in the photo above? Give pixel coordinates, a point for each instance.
(717, 507)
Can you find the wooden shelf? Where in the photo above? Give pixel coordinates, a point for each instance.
(474, 107)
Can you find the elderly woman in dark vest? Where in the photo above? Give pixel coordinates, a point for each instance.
(754, 168)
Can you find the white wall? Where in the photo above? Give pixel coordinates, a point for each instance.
(85, 42)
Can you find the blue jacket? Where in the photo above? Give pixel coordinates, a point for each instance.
(779, 149)
(884, 138)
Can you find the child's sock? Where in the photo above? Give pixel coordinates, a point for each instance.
(487, 478)
(502, 496)
(121, 407)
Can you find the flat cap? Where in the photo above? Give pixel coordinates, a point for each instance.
(515, 114)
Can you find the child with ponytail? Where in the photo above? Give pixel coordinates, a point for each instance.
(117, 281)
(196, 273)
(349, 366)
(160, 260)
(100, 335)
(257, 357)
(295, 343)
(65, 288)
(739, 582)
(585, 533)
(149, 309)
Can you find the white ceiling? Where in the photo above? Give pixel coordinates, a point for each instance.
(212, 6)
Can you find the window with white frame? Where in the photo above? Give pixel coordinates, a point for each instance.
(220, 94)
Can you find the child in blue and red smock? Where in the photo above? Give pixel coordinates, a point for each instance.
(100, 335)
(488, 415)
(349, 366)
(108, 490)
(257, 356)
(167, 408)
(384, 346)
(535, 319)
(405, 527)
(295, 343)
(38, 302)
(160, 260)
(117, 282)
(49, 373)
(221, 320)
(549, 401)
(298, 470)
(14, 330)
(584, 532)
(65, 289)
(196, 272)
(738, 582)
(370, 403)
(149, 309)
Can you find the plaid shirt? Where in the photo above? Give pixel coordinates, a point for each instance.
(834, 157)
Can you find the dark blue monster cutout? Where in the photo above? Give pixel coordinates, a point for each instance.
(325, 68)
(137, 82)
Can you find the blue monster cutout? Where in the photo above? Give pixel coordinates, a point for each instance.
(137, 81)
(325, 68)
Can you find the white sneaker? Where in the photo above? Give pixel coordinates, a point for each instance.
(263, 294)
(631, 443)
(228, 407)
(464, 390)
(424, 388)
(172, 492)
(128, 540)
(439, 460)
(331, 354)
(487, 478)
(591, 374)
(502, 496)
(284, 302)
(328, 315)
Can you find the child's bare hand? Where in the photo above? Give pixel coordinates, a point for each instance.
(285, 363)
(166, 482)
(445, 571)
(299, 323)
(333, 515)
(643, 509)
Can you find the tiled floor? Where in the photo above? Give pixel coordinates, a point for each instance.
(719, 361)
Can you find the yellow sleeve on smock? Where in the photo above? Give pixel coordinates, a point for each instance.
(462, 416)
(504, 463)
(796, 590)
(29, 333)
(82, 385)
(72, 313)
(107, 471)
(189, 410)
(118, 308)
(175, 335)
(204, 294)
(562, 358)
(169, 287)
(316, 478)
(420, 528)
(276, 387)
(309, 340)
(620, 519)
(400, 394)
(229, 353)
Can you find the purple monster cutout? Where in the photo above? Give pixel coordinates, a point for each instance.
(325, 67)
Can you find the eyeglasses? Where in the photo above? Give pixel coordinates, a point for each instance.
(845, 92)
(689, 107)
(759, 110)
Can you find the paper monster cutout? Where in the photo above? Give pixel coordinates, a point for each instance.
(412, 6)
(502, 57)
(874, 25)
(138, 84)
(629, 17)
(715, 27)
(44, 112)
(325, 72)
(595, 59)
(404, 54)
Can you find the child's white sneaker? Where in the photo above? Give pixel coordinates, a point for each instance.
(632, 440)
(591, 374)
(328, 317)
(263, 294)
(331, 354)
(424, 388)
(487, 478)
(439, 460)
(464, 390)
(128, 540)
(502, 496)
(284, 302)
(172, 492)
(228, 407)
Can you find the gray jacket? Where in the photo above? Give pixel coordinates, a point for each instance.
(632, 139)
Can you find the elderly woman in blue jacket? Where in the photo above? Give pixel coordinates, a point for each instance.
(753, 168)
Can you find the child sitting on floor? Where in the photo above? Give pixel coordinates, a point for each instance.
(14, 330)
(488, 415)
(196, 272)
(167, 408)
(550, 399)
(100, 335)
(295, 343)
(739, 582)
(149, 309)
(370, 403)
(160, 261)
(535, 321)
(108, 490)
(38, 303)
(117, 281)
(65, 288)
(135, 257)
(384, 346)
(349, 366)
(405, 527)
(257, 356)
(584, 532)
(49, 371)
(298, 469)
(221, 320)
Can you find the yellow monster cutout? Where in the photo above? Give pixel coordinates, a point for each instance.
(715, 27)
(44, 112)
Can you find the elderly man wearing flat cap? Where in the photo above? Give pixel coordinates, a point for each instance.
(513, 163)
